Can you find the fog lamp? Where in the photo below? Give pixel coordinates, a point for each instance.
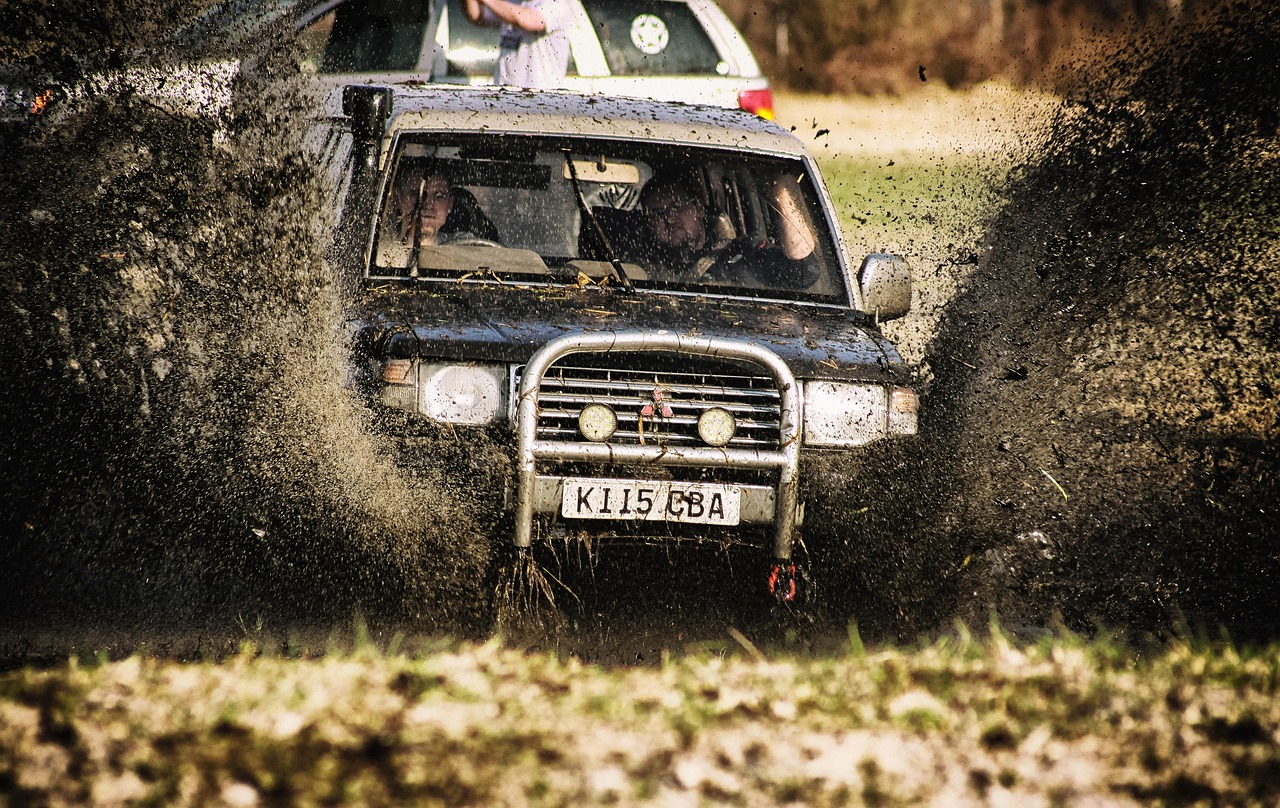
(717, 426)
(597, 422)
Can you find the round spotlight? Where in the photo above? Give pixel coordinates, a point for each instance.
(597, 422)
(716, 426)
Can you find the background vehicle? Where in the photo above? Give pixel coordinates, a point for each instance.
(614, 397)
(679, 50)
(675, 50)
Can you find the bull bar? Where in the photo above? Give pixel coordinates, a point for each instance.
(786, 458)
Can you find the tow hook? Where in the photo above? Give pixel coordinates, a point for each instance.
(782, 581)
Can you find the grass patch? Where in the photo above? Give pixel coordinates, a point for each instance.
(924, 205)
(1068, 720)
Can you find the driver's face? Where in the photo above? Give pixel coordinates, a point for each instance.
(437, 201)
(676, 219)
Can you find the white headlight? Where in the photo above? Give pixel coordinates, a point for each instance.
(462, 394)
(844, 414)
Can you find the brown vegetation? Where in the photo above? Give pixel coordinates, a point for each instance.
(956, 723)
(890, 46)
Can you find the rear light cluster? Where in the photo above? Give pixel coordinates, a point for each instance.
(758, 101)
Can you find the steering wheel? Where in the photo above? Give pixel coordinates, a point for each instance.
(726, 265)
(472, 241)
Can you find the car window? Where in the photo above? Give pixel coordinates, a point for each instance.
(557, 210)
(653, 38)
(367, 36)
(473, 49)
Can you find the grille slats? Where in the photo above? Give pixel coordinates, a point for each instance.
(623, 404)
(752, 399)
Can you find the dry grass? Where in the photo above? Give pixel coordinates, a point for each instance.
(992, 119)
(958, 722)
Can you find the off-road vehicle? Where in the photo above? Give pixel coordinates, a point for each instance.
(514, 299)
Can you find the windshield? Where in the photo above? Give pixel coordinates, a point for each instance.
(576, 210)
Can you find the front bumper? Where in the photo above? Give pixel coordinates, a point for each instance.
(537, 494)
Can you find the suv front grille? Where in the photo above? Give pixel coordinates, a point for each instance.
(638, 395)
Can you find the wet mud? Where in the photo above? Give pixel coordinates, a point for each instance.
(1098, 438)
(1105, 383)
(180, 446)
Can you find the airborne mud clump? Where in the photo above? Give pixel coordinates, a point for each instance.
(178, 444)
(1107, 381)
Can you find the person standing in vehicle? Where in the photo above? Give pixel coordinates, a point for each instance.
(534, 39)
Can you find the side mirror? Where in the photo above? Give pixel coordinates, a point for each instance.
(885, 281)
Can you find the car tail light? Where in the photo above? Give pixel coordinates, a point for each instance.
(758, 101)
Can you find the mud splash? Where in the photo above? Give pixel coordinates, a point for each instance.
(178, 442)
(1107, 380)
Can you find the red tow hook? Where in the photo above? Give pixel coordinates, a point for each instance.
(782, 582)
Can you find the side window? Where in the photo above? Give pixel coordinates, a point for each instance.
(313, 40)
(367, 36)
(330, 146)
(653, 38)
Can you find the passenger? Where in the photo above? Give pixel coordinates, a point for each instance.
(689, 243)
(534, 40)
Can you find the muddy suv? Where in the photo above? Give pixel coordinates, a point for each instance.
(532, 292)
(673, 50)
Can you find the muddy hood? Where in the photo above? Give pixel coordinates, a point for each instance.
(509, 324)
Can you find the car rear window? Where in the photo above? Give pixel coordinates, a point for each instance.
(653, 38)
(473, 49)
(368, 36)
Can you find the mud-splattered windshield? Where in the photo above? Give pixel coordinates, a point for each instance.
(591, 211)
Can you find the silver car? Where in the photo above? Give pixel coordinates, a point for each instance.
(674, 50)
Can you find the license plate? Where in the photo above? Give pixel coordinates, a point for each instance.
(651, 501)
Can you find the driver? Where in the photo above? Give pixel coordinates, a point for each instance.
(691, 244)
(432, 211)
(423, 204)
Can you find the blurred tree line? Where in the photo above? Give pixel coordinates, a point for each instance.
(881, 46)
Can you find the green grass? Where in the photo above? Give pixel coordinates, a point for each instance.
(923, 205)
(929, 208)
(962, 720)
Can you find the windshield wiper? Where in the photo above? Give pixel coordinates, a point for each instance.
(618, 271)
(415, 254)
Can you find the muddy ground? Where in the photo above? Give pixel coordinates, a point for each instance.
(181, 457)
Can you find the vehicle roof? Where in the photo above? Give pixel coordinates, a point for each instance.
(552, 112)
